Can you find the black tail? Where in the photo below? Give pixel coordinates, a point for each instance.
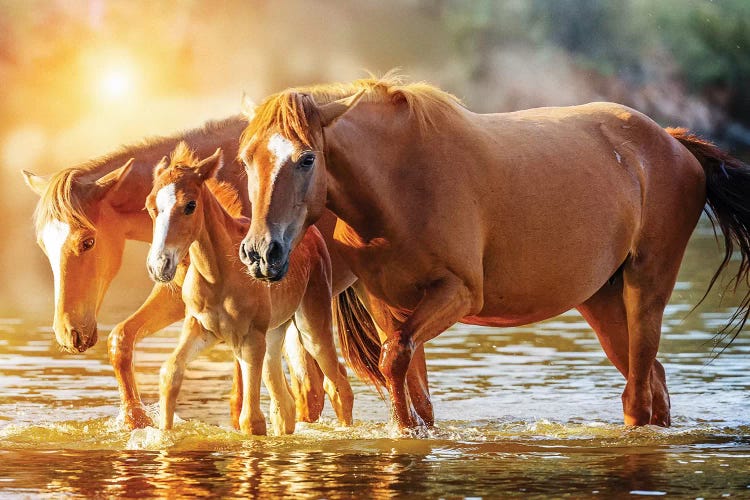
(358, 338)
(728, 196)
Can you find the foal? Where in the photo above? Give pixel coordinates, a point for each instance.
(193, 213)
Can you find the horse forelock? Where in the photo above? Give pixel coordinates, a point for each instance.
(64, 200)
(182, 156)
(288, 112)
(182, 162)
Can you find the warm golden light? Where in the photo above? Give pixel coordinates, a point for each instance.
(116, 80)
(116, 83)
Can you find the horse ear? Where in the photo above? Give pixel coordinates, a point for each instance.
(332, 111)
(108, 181)
(161, 166)
(248, 107)
(208, 167)
(36, 183)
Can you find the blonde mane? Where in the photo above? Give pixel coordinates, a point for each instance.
(288, 111)
(227, 195)
(68, 191)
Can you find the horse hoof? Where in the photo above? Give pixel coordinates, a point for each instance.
(136, 418)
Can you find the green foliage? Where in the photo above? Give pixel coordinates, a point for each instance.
(711, 43)
(708, 41)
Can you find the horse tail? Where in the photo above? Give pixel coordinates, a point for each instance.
(728, 197)
(358, 338)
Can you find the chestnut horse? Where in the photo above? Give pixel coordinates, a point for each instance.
(450, 216)
(83, 218)
(193, 215)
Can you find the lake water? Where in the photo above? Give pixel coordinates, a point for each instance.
(531, 411)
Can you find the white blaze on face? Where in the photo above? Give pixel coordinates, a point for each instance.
(54, 235)
(281, 149)
(166, 198)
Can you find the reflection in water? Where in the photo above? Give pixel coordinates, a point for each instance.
(520, 411)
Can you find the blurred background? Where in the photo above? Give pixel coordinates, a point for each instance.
(80, 77)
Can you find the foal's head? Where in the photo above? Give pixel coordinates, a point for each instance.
(282, 151)
(176, 206)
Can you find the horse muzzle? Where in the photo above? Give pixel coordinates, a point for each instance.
(77, 339)
(270, 263)
(162, 268)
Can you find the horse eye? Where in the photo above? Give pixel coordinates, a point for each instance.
(190, 207)
(307, 161)
(87, 244)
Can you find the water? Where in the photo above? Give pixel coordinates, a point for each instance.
(532, 411)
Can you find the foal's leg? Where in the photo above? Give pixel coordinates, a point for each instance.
(193, 340)
(282, 411)
(250, 353)
(306, 377)
(443, 304)
(163, 307)
(313, 319)
(605, 312)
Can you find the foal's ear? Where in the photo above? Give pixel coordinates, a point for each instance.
(332, 111)
(208, 167)
(161, 166)
(108, 183)
(248, 107)
(36, 183)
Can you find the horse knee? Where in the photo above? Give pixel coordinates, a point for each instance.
(120, 354)
(395, 357)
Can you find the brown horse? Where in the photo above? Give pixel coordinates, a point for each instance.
(83, 218)
(193, 215)
(500, 219)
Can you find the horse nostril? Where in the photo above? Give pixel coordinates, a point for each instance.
(274, 253)
(76, 339)
(248, 256)
(244, 256)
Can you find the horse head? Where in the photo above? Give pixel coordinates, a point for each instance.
(176, 207)
(72, 217)
(283, 152)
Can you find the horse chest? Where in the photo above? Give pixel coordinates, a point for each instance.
(211, 307)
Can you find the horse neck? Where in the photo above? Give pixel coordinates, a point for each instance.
(359, 183)
(137, 184)
(216, 241)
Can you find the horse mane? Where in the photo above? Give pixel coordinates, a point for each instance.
(65, 197)
(227, 195)
(288, 111)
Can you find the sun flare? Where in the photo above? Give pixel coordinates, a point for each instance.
(117, 83)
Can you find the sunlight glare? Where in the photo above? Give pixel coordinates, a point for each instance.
(116, 83)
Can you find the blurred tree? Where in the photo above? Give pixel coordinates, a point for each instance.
(711, 43)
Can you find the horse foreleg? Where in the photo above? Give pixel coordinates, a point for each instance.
(193, 340)
(163, 307)
(282, 411)
(250, 353)
(444, 303)
(605, 313)
(306, 377)
(419, 390)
